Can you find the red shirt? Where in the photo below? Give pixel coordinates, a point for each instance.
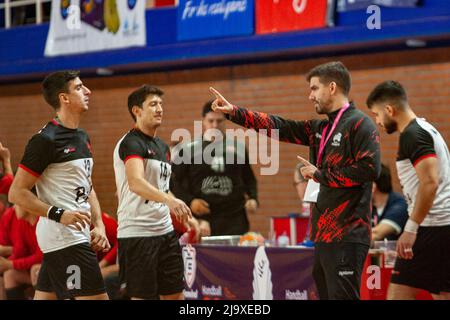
(21, 235)
(111, 234)
(5, 183)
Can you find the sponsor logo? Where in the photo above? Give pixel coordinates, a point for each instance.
(296, 295)
(212, 291)
(337, 140)
(299, 5)
(69, 150)
(219, 185)
(151, 152)
(190, 265)
(346, 273)
(190, 294)
(65, 4)
(262, 276)
(131, 4)
(87, 6)
(318, 135)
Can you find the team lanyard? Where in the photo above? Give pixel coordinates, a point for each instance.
(323, 140)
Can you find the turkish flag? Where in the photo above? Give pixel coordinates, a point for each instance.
(274, 16)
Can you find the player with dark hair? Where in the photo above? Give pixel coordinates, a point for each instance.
(220, 194)
(151, 265)
(423, 166)
(58, 161)
(345, 160)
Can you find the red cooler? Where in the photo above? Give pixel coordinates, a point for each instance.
(294, 226)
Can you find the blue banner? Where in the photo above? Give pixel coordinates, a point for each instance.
(203, 19)
(348, 5)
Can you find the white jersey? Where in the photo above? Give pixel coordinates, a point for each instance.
(139, 217)
(418, 141)
(62, 159)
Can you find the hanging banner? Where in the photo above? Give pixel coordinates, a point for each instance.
(203, 19)
(274, 16)
(348, 5)
(79, 26)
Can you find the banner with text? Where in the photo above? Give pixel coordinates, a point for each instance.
(79, 26)
(203, 19)
(248, 273)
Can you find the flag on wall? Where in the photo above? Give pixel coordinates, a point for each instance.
(274, 16)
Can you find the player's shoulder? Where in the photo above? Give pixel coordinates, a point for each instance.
(83, 132)
(47, 134)
(133, 143)
(361, 120)
(414, 131)
(132, 137)
(161, 143)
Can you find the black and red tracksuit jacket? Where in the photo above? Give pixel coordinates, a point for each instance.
(350, 163)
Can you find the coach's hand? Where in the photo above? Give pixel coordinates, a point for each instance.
(78, 220)
(99, 241)
(205, 228)
(5, 264)
(220, 104)
(308, 170)
(250, 206)
(179, 209)
(5, 155)
(200, 207)
(405, 244)
(193, 225)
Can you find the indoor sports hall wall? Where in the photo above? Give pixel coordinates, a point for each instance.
(271, 87)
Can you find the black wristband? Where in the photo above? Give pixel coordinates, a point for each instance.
(55, 213)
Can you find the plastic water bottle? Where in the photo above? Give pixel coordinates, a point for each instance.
(283, 240)
(306, 209)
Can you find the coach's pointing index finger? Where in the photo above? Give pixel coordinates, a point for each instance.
(304, 161)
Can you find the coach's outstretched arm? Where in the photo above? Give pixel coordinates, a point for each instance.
(298, 132)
